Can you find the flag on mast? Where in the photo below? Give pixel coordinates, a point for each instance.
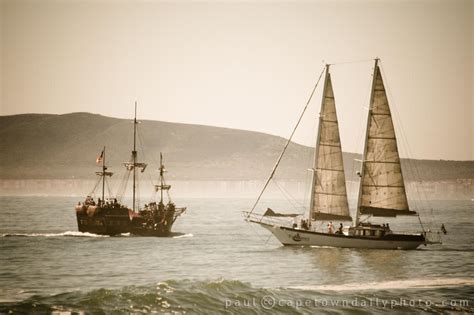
(100, 157)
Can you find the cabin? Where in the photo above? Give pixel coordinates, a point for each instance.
(370, 230)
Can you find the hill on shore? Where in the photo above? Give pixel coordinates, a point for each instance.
(45, 146)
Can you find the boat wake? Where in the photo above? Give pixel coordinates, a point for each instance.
(182, 235)
(67, 233)
(393, 285)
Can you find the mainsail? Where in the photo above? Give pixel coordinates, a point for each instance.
(382, 190)
(328, 194)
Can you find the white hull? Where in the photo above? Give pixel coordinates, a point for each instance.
(289, 236)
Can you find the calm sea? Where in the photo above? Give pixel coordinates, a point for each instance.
(218, 263)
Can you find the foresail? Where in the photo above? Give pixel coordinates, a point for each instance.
(383, 190)
(329, 195)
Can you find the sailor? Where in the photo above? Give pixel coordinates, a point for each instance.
(305, 225)
(330, 227)
(339, 231)
(295, 223)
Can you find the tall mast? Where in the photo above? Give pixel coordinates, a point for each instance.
(316, 151)
(103, 175)
(365, 143)
(161, 177)
(134, 154)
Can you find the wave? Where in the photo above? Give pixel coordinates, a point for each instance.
(393, 285)
(232, 296)
(67, 233)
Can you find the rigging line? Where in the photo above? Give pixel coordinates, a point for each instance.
(309, 175)
(255, 231)
(108, 188)
(292, 200)
(287, 143)
(137, 189)
(123, 185)
(95, 186)
(414, 167)
(141, 146)
(359, 142)
(268, 238)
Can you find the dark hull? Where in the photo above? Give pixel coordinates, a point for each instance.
(104, 221)
(156, 232)
(104, 225)
(119, 220)
(154, 223)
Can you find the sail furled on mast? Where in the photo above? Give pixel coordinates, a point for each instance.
(382, 186)
(329, 195)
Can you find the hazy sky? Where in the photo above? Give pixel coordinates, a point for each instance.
(248, 65)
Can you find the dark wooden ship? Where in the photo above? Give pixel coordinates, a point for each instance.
(110, 217)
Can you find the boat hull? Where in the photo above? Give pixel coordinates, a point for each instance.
(297, 237)
(103, 220)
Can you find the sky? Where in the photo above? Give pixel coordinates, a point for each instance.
(247, 65)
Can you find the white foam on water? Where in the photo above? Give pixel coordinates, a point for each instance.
(390, 285)
(67, 233)
(184, 235)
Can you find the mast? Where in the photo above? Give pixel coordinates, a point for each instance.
(362, 172)
(103, 175)
(316, 151)
(133, 164)
(162, 186)
(134, 155)
(161, 177)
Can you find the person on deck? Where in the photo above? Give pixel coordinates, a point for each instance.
(339, 231)
(388, 231)
(330, 228)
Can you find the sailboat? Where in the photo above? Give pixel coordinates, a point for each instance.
(106, 216)
(381, 192)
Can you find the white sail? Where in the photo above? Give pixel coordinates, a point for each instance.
(329, 195)
(382, 187)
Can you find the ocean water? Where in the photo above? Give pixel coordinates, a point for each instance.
(217, 263)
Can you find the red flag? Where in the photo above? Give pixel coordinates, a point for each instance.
(100, 157)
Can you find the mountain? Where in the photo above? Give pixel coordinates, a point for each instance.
(45, 146)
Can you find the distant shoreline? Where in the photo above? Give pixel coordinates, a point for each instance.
(434, 190)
